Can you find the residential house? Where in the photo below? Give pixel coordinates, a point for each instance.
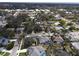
(56, 38)
(58, 17)
(36, 51)
(76, 45)
(2, 21)
(58, 27)
(44, 40)
(74, 37)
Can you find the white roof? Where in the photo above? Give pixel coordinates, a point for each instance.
(74, 35)
(16, 13)
(3, 23)
(58, 27)
(76, 45)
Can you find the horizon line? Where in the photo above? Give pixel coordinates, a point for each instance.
(45, 2)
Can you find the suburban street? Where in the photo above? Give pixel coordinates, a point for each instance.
(39, 29)
(14, 49)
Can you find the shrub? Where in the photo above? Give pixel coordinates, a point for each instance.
(10, 46)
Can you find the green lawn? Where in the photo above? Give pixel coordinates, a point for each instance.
(23, 54)
(4, 53)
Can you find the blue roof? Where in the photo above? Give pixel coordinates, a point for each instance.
(3, 41)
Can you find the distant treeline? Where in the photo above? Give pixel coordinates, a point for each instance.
(9, 5)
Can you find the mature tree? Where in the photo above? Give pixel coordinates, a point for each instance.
(72, 28)
(62, 23)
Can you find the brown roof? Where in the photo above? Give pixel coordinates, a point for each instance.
(57, 38)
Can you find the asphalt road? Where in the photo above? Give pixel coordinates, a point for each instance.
(14, 49)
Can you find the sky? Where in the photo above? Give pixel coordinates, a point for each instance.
(44, 1)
